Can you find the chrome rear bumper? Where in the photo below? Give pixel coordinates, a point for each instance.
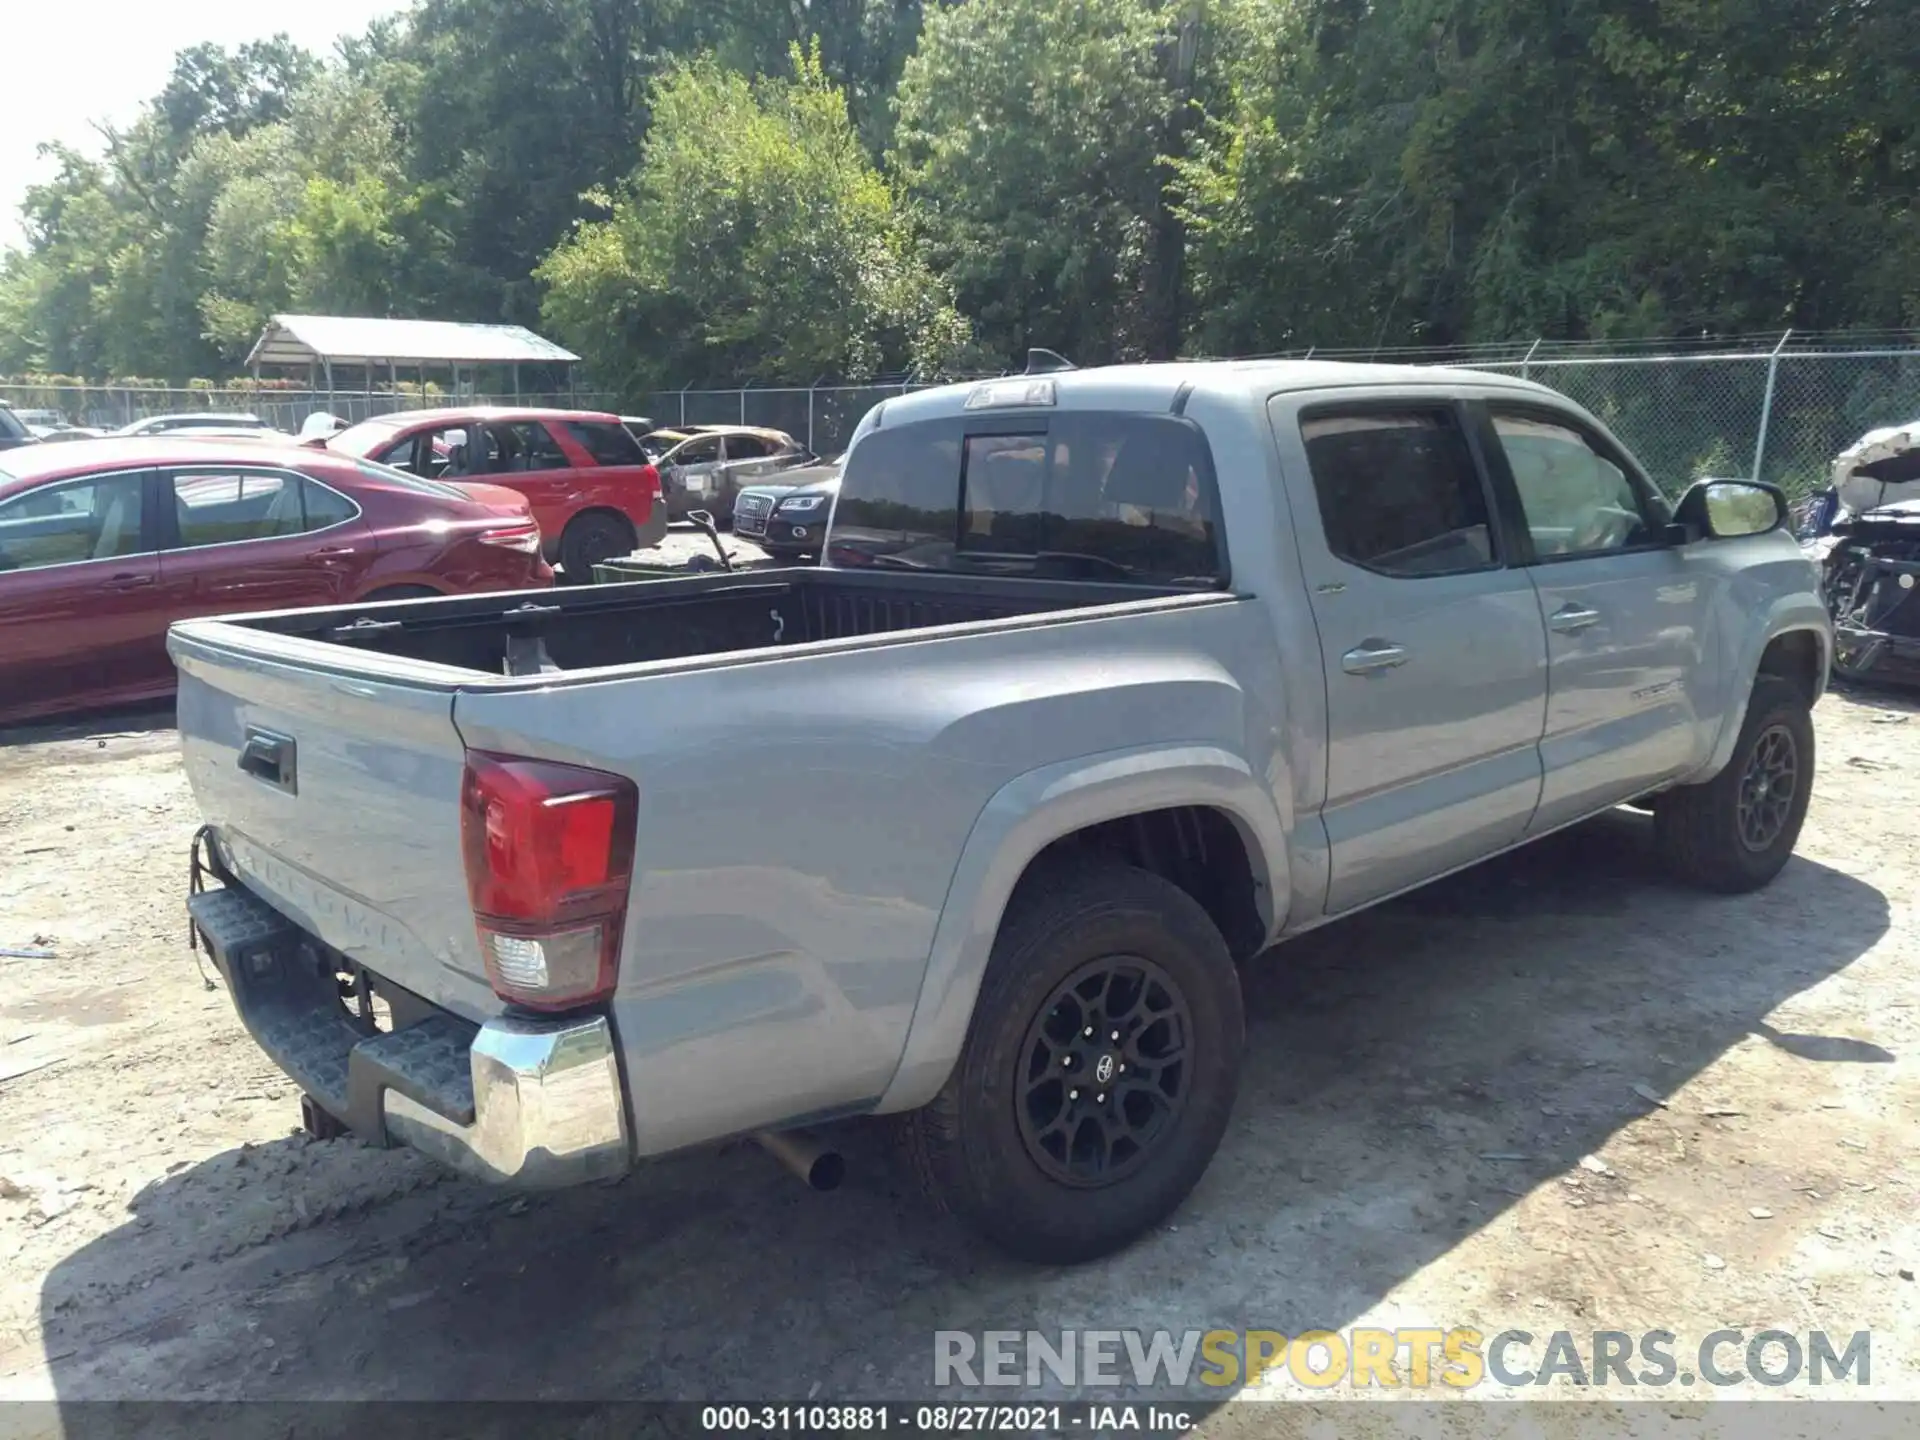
(547, 1109)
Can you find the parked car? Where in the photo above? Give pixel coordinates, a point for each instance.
(1863, 531)
(52, 425)
(787, 516)
(104, 543)
(593, 490)
(201, 423)
(638, 426)
(704, 466)
(13, 432)
(1162, 665)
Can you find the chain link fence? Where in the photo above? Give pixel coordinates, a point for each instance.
(1773, 407)
(108, 407)
(1765, 407)
(821, 417)
(1779, 416)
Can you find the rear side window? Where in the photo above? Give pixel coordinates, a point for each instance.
(1085, 496)
(10, 426)
(215, 507)
(609, 444)
(524, 446)
(1399, 492)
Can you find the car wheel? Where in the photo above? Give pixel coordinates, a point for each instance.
(1099, 1069)
(1736, 832)
(590, 539)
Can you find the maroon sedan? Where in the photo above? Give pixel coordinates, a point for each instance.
(103, 543)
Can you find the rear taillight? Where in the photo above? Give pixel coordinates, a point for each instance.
(549, 854)
(650, 477)
(524, 538)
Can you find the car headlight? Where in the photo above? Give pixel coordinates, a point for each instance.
(801, 504)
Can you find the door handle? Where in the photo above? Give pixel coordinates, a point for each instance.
(331, 550)
(129, 582)
(1371, 657)
(1569, 618)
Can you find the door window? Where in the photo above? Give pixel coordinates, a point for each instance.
(522, 447)
(221, 507)
(1576, 501)
(1399, 492)
(747, 447)
(451, 452)
(698, 452)
(94, 519)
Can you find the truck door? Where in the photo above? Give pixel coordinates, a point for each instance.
(1433, 647)
(1628, 615)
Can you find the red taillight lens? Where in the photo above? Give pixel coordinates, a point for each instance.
(549, 854)
(524, 538)
(650, 478)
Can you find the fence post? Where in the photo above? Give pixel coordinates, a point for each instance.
(683, 407)
(1766, 404)
(810, 390)
(743, 405)
(1528, 358)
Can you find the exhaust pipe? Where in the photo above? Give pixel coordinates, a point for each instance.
(817, 1165)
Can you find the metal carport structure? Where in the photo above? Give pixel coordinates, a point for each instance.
(318, 343)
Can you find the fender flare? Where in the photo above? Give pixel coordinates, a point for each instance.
(1026, 815)
(1789, 615)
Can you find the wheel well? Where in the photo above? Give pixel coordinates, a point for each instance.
(1197, 847)
(600, 510)
(1795, 658)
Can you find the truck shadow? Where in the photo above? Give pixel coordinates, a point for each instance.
(1411, 1073)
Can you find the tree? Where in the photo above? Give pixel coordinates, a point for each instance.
(1028, 143)
(756, 240)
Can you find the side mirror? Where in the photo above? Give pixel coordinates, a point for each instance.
(1731, 509)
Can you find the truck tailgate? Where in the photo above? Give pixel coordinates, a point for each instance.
(336, 797)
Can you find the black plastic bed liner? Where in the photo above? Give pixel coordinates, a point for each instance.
(569, 629)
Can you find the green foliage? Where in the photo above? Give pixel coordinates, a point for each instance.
(1028, 140)
(756, 239)
(657, 181)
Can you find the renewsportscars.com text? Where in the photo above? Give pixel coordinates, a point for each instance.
(1408, 1358)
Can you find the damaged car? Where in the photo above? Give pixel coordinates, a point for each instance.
(1864, 532)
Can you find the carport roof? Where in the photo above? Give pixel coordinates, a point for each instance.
(350, 340)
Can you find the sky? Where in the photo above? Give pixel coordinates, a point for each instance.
(80, 60)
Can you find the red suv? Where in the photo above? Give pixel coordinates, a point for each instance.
(593, 490)
(104, 543)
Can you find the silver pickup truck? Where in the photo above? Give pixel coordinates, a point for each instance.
(1111, 679)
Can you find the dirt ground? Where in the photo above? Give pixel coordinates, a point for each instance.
(1554, 1093)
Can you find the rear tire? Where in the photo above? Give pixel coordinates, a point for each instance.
(1059, 1156)
(591, 538)
(1737, 831)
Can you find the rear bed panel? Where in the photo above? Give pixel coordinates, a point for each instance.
(374, 808)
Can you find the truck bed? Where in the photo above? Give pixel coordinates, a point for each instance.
(700, 615)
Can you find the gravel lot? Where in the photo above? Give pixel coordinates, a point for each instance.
(1552, 1093)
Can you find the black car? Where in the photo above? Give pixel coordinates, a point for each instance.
(787, 517)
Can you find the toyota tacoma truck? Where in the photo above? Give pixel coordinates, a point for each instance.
(1111, 679)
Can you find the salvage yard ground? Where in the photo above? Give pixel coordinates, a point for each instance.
(1554, 1093)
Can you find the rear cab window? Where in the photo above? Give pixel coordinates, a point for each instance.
(1118, 497)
